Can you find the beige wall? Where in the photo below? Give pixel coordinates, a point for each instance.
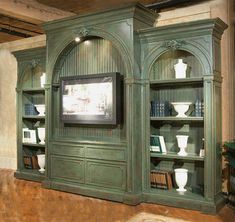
(8, 72)
(8, 79)
(7, 109)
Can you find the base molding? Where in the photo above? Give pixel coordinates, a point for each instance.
(96, 192)
(203, 205)
(132, 199)
(29, 176)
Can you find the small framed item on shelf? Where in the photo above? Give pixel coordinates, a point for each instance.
(29, 136)
(157, 144)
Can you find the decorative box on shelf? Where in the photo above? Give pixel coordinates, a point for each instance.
(30, 162)
(161, 179)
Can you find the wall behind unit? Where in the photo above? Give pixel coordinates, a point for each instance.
(8, 80)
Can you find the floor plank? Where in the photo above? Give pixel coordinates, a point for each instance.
(23, 201)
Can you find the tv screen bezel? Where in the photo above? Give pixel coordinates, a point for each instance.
(93, 119)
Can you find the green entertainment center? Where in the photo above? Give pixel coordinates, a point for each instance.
(114, 161)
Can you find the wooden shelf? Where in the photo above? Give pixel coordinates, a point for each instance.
(176, 82)
(30, 174)
(33, 145)
(34, 90)
(173, 118)
(190, 157)
(33, 117)
(174, 193)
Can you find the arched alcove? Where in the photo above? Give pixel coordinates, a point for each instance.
(93, 55)
(163, 66)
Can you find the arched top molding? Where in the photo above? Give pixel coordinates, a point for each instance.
(67, 44)
(192, 47)
(26, 67)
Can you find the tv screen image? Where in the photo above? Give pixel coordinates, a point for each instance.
(91, 99)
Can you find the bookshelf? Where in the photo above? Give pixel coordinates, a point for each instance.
(200, 124)
(31, 65)
(169, 125)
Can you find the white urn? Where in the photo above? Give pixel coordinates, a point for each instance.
(180, 69)
(41, 109)
(41, 162)
(41, 135)
(43, 79)
(181, 108)
(181, 178)
(182, 141)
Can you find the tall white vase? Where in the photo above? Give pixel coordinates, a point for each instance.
(181, 178)
(43, 79)
(41, 162)
(41, 135)
(180, 69)
(182, 141)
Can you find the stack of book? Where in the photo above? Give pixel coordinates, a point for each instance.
(30, 109)
(160, 108)
(161, 179)
(199, 108)
(157, 144)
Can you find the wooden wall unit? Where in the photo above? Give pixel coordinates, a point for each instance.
(31, 65)
(115, 162)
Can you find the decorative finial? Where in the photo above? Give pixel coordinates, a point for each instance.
(173, 44)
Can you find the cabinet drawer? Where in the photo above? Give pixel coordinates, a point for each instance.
(105, 153)
(67, 169)
(67, 149)
(106, 174)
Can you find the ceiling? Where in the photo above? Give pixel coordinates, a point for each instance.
(14, 26)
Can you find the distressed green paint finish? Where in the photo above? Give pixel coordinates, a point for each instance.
(102, 173)
(198, 43)
(198, 38)
(69, 169)
(31, 65)
(116, 49)
(117, 26)
(84, 159)
(93, 56)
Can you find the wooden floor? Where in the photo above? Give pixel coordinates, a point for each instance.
(24, 201)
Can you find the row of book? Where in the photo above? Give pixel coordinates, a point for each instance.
(30, 109)
(199, 108)
(161, 179)
(160, 108)
(157, 144)
(164, 108)
(30, 162)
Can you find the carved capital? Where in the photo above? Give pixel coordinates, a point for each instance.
(83, 32)
(173, 44)
(35, 62)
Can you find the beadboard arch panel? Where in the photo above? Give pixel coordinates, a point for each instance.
(92, 56)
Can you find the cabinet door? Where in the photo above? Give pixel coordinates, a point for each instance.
(68, 169)
(106, 174)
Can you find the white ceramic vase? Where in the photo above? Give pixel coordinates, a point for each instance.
(182, 141)
(181, 178)
(41, 162)
(180, 69)
(181, 108)
(43, 79)
(41, 109)
(41, 135)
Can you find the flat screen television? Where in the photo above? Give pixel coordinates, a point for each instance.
(91, 99)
